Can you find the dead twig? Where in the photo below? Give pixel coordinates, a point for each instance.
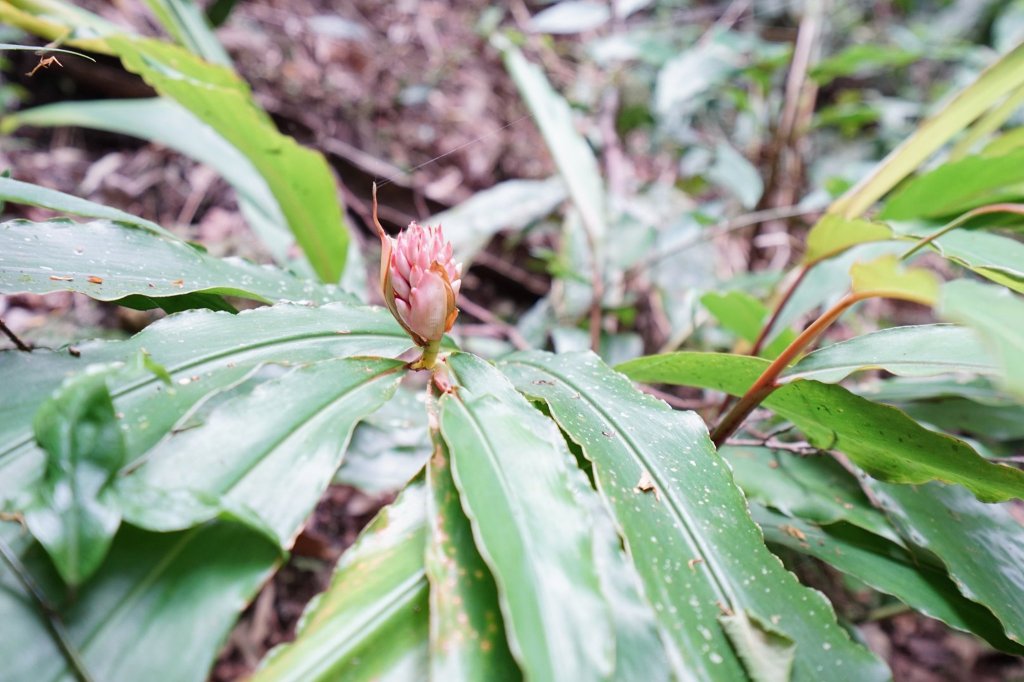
(18, 343)
(534, 284)
(726, 226)
(484, 315)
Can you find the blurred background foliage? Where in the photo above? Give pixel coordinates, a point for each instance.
(712, 134)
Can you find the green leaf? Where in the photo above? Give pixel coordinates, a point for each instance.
(834, 234)
(904, 390)
(59, 21)
(509, 205)
(816, 489)
(164, 593)
(184, 20)
(640, 653)
(572, 155)
(880, 439)
(735, 174)
(995, 314)
(886, 567)
(862, 59)
(389, 447)
(685, 524)
(958, 186)
(916, 351)
(981, 545)
(992, 423)
(828, 281)
(167, 122)
(72, 514)
(467, 634)
(744, 315)
(33, 195)
(371, 623)
(998, 258)
(299, 178)
(998, 80)
(41, 50)
(277, 447)
(109, 261)
(511, 467)
(204, 352)
(886, 276)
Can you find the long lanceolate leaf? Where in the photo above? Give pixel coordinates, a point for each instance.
(277, 448)
(995, 314)
(26, 193)
(109, 261)
(204, 352)
(161, 605)
(162, 120)
(880, 439)
(299, 178)
(917, 351)
(702, 560)
(572, 155)
(512, 471)
(185, 20)
(991, 86)
(372, 622)
(981, 545)
(467, 634)
(887, 567)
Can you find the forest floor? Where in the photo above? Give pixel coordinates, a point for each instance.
(379, 88)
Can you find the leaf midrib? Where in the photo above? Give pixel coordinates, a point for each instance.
(197, 362)
(724, 589)
(516, 521)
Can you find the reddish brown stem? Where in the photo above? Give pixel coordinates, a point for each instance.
(984, 210)
(763, 336)
(767, 382)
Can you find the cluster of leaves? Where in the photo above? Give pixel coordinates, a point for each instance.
(556, 523)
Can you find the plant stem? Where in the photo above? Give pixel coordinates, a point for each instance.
(429, 357)
(949, 227)
(766, 329)
(19, 344)
(50, 615)
(763, 336)
(766, 383)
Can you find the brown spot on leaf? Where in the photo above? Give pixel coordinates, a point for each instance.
(793, 532)
(646, 485)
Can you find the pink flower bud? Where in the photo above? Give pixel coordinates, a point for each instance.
(419, 280)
